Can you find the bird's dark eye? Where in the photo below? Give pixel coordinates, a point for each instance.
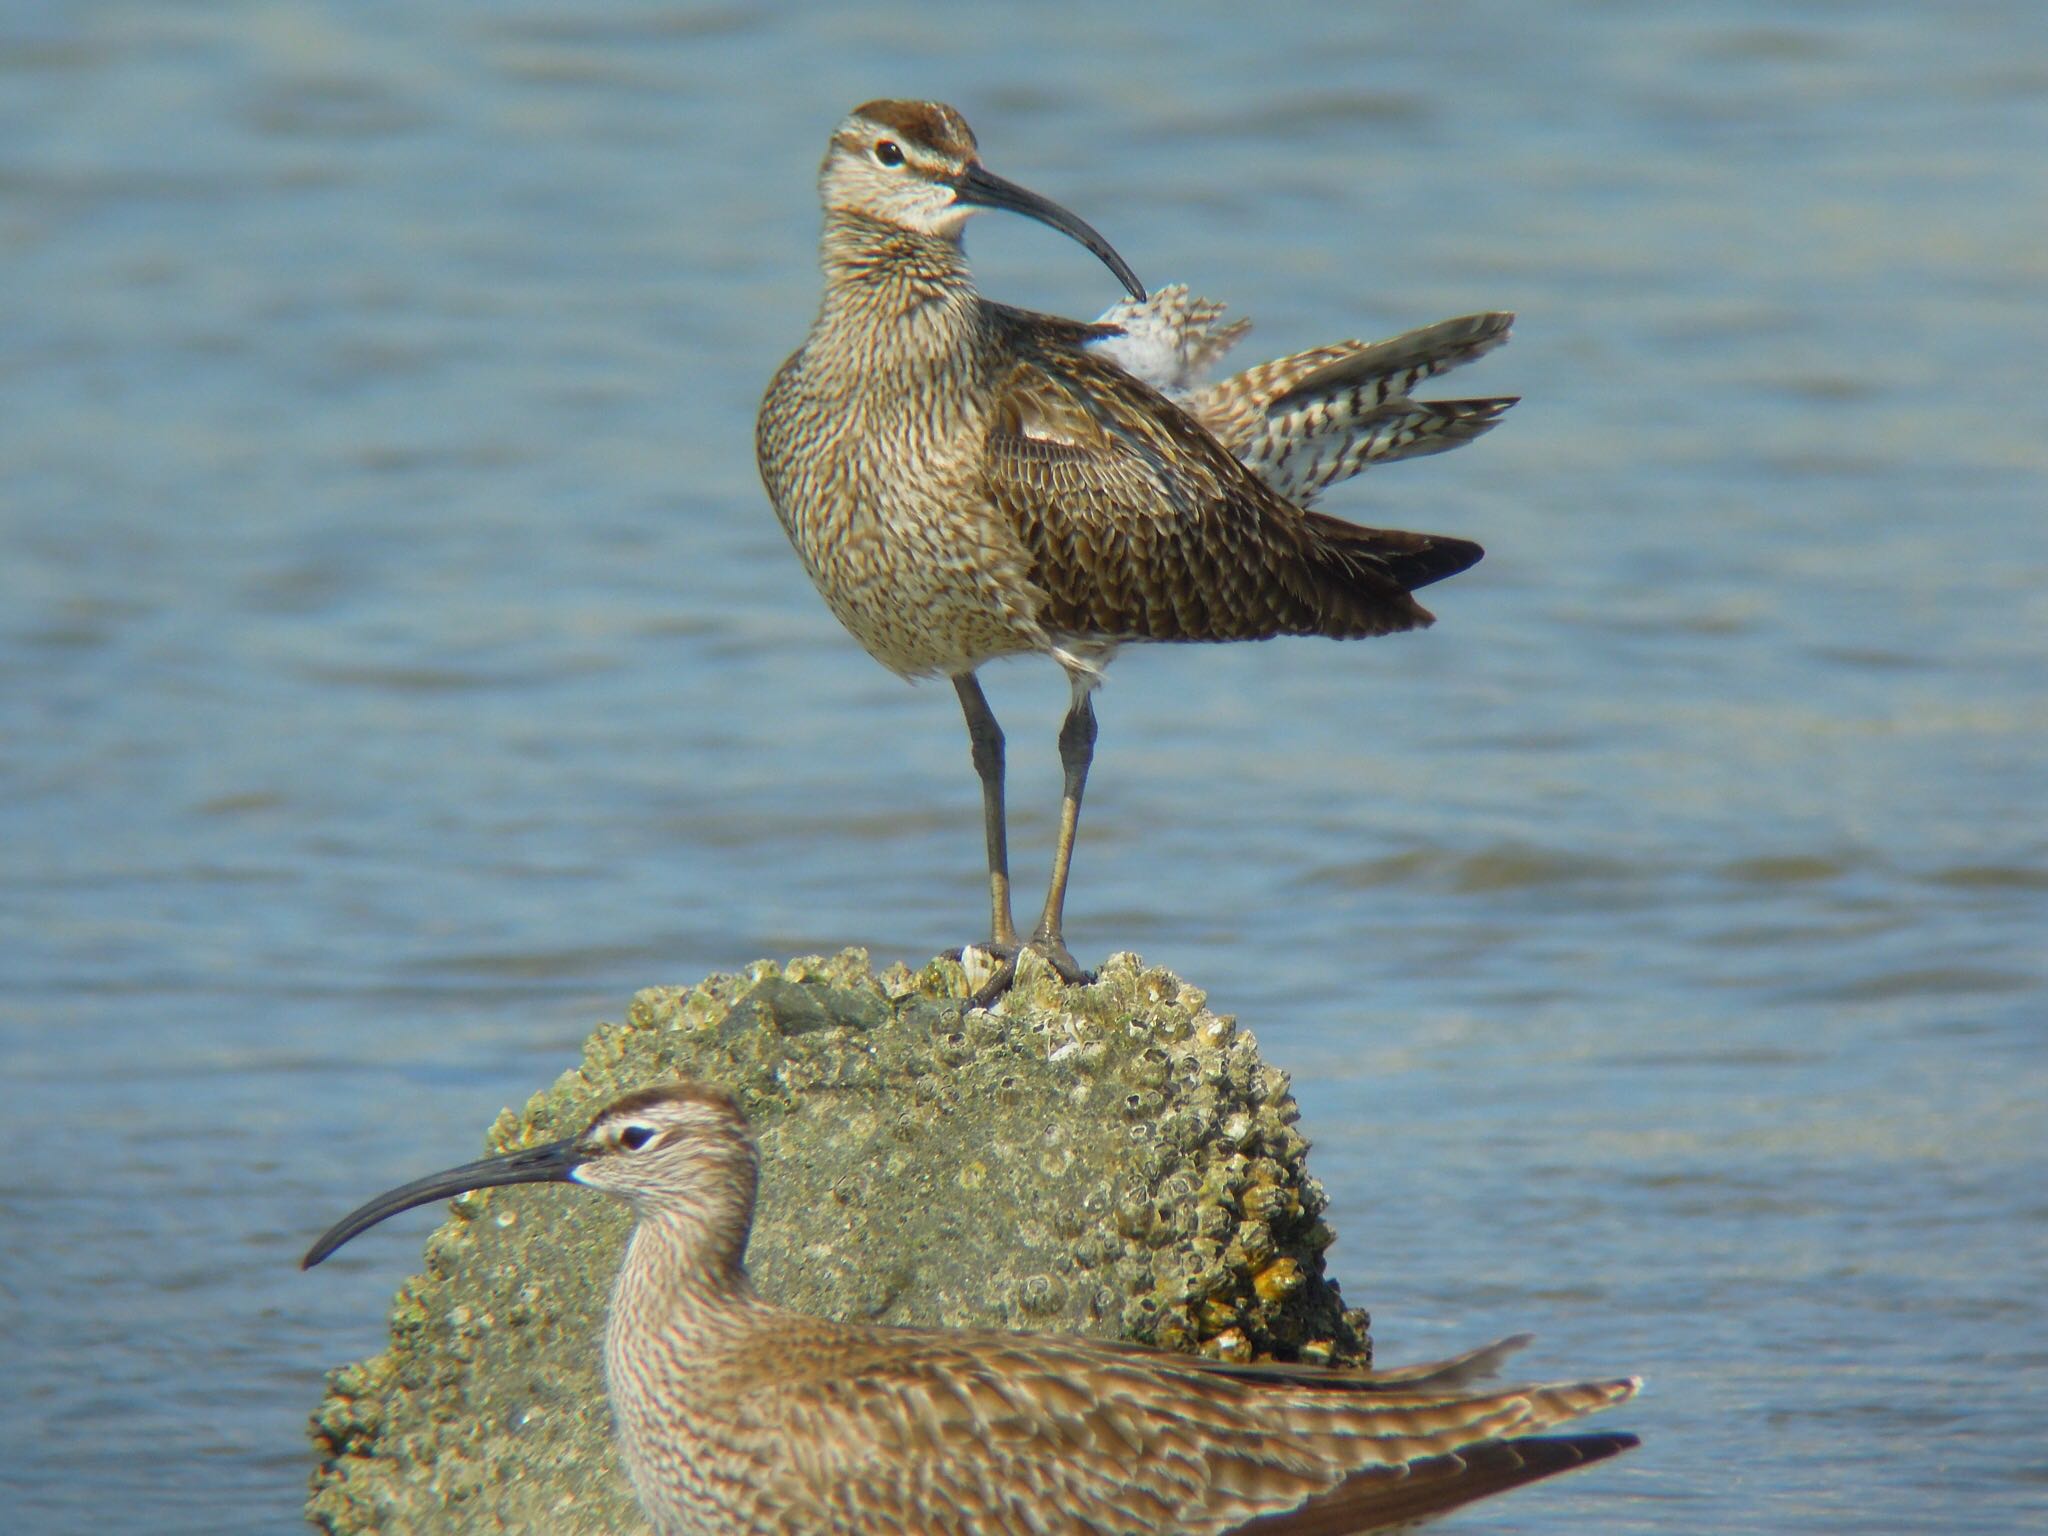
(634, 1137)
(888, 152)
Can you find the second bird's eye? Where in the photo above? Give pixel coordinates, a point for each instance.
(634, 1137)
(888, 152)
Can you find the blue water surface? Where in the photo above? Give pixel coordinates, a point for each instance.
(399, 665)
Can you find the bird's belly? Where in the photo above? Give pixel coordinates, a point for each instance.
(925, 586)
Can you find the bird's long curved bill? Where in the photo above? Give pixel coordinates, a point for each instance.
(529, 1165)
(985, 189)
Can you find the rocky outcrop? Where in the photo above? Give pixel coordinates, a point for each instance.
(1112, 1159)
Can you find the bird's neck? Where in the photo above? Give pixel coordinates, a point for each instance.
(680, 1281)
(904, 293)
(682, 1311)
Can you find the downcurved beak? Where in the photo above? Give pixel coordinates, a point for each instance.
(984, 189)
(547, 1164)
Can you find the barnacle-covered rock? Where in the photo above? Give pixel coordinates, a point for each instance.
(1112, 1159)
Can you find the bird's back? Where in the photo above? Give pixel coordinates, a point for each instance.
(1142, 526)
(852, 1427)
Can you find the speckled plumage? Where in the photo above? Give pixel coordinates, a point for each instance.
(964, 480)
(739, 1418)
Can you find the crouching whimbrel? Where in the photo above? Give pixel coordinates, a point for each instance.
(964, 480)
(736, 1416)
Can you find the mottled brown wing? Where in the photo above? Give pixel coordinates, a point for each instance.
(1141, 526)
(926, 1433)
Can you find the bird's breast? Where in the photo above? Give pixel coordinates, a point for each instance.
(877, 476)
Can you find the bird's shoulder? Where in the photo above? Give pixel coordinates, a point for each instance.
(1067, 421)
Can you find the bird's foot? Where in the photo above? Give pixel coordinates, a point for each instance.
(1052, 949)
(996, 964)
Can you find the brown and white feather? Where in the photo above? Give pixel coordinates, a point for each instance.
(1304, 422)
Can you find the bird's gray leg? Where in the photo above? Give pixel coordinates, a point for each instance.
(1077, 751)
(986, 739)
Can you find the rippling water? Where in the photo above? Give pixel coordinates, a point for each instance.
(399, 665)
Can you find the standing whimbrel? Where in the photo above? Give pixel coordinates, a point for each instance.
(964, 480)
(734, 1415)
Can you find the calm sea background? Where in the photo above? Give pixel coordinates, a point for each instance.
(399, 665)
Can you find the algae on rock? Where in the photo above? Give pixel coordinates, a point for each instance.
(1112, 1160)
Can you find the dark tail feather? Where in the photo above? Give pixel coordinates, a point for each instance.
(1411, 559)
(1473, 1366)
(1374, 1501)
